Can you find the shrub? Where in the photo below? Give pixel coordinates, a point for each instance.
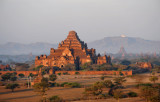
(65, 73)
(52, 77)
(62, 85)
(103, 96)
(77, 73)
(108, 84)
(117, 94)
(148, 92)
(72, 85)
(102, 77)
(52, 84)
(21, 75)
(132, 94)
(57, 85)
(41, 87)
(31, 75)
(119, 81)
(12, 86)
(55, 99)
(145, 84)
(13, 78)
(153, 79)
(6, 76)
(59, 73)
(120, 73)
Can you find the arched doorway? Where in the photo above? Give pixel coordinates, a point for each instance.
(62, 66)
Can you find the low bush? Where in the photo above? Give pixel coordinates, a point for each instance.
(77, 73)
(144, 84)
(51, 84)
(104, 96)
(59, 73)
(132, 94)
(62, 85)
(55, 99)
(66, 73)
(71, 85)
(57, 85)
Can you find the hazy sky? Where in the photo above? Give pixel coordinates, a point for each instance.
(29, 21)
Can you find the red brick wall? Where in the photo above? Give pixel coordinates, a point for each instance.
(26, 73)
(95, 72)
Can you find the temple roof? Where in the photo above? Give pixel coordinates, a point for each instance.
(71, 46)
(72, 36)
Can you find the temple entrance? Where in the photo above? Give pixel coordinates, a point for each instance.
(62, 66)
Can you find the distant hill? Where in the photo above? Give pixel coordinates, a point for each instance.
(130, 44)
(12, 48)
(108, 45)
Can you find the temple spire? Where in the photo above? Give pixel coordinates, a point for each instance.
(73, 36)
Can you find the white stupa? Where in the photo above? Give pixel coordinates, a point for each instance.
(123, 36)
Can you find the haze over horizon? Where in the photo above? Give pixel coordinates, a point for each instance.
(30, 21)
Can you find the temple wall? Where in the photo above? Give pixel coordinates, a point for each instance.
(95, 72)
(26, 73)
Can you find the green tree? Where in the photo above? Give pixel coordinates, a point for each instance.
(117, 94)
(21, 75)
(13, 78)
(42, 87)
(94, 90)
(14, 73)
(125, 62)
(12, 86)
(119, 81)
(31, 75)
(6, 76)
(120, 73)
(77, 73)
(108, 84)
(55, 99)
(153, 79)
(52, 77)
(147, 92)
(59, 73)
(102, 77)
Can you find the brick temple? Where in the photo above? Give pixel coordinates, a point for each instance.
(71, 51)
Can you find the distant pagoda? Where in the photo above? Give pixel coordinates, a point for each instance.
(71, 51)
(122, 52)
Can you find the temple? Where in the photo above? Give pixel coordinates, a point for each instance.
(71, 51)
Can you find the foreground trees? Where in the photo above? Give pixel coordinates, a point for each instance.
(12, 86)
(6, 76)
(94, 90)
(150, 93)
(21, 75)
(9, 77)
(55, 99)
(119, 81)
(97, 90)
(52, 77)
(42, 87)
(153, 79)
(117, 94)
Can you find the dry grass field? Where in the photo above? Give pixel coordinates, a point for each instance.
(23, 94)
